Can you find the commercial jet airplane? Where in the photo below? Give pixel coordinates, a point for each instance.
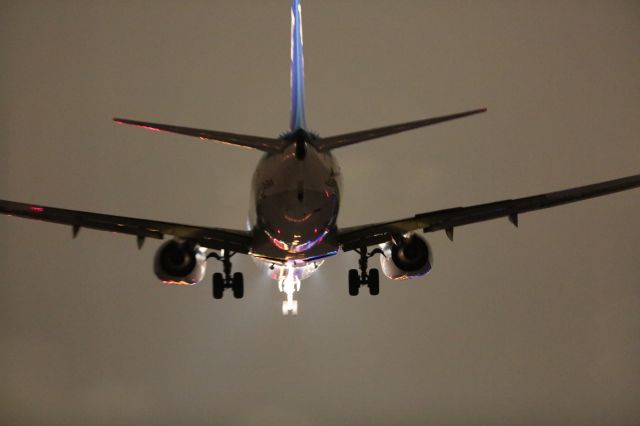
(295, 202)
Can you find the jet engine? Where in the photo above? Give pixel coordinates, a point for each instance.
(180, 262)
(411, 259)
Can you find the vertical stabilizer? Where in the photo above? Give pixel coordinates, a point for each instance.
(297, 69)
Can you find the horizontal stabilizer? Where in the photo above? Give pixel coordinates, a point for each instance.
(271, 145)
(326, 144)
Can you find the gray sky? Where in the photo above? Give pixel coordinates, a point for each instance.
(537, 325)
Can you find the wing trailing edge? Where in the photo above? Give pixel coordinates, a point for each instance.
(213, 238)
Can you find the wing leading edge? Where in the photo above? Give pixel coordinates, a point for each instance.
(213, 238)
(448, 219)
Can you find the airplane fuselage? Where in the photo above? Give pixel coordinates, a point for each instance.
(294, 207)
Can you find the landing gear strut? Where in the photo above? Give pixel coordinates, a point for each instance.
(370, 278)
(220, 282)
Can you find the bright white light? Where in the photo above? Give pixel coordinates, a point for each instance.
(289, 283)
(289, 276)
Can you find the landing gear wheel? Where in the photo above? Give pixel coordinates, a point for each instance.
(354, 282)
(238, 285)
(218, 285)
(374, 282)
(225, 280)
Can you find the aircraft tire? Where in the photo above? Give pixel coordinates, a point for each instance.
(238, 285)
(218, 285)
(354, 282)
(374, 282)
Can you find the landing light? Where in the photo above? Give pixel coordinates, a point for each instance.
(289, 283)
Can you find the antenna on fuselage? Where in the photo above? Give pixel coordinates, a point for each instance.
(297, 69)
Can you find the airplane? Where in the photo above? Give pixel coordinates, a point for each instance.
(295, 195)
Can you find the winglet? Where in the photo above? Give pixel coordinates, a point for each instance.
(297, 69)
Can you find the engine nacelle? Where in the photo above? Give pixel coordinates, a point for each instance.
(412, 259)
(180, 262)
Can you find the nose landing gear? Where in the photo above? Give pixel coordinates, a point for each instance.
(221, 282)
(370, 278)
(289, 284)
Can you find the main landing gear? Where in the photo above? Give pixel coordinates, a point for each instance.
(220, 282)
(370, 278)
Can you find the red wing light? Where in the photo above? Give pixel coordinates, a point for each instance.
(153, 129)
(142, 126)
(36, 209)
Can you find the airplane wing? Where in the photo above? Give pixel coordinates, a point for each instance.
(213, 238)
(326, 144)
(363, 236)
(247, 141)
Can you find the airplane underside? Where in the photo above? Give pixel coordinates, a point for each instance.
(289, 276)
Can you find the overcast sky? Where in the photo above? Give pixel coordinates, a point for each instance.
(537, 325)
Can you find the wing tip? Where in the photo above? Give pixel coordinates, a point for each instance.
(140, 124)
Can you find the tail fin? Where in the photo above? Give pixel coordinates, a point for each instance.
(297, 69)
